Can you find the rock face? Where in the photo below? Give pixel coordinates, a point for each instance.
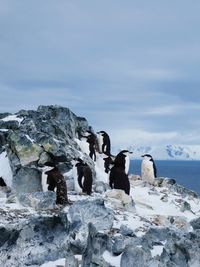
(29, 136)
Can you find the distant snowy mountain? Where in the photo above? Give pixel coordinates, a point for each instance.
(169, 152)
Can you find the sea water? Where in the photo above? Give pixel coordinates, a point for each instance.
(186, 173)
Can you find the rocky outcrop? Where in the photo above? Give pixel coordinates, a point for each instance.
(31, 138)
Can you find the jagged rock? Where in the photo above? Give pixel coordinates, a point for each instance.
(124, 230)
(71, 261)
(118, 245)
(94, 212)
(24, 148)
(185, 206)
(97, 243)
(8, 236)
(39, 200)
(195, 223)
(27, 180)
(39, 239)
(135, 257)
(11, 125)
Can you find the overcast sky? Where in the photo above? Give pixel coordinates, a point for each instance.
(132, 68)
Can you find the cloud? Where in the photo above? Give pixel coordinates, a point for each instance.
(129, 68)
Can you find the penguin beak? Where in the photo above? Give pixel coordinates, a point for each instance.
(142, 156)
(130, 152)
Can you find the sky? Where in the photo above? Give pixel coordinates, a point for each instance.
(130, 67)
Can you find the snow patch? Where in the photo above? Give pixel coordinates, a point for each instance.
(13, 118)
(5, 169)
(59, 262)
(113, 260)
(157, 251)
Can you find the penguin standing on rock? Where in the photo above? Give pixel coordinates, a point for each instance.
(118, 178)
(148, 169)
(82, 177)
(91, 139)
(104, 142)
(123, 160)
(56, 180)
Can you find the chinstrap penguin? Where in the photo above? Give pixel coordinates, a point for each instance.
(91, 139)
(56, 180)
(82, 177)
(104, 142)
(122, 160)
(148, 169)
(118, 177)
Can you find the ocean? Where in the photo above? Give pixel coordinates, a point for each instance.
(186, 173)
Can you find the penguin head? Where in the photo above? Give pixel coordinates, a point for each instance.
(102, 133)
(78, 161)
(147, 157)
(48, 166)
(126, 152)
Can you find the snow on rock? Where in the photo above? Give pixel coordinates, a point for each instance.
(59, 262)
(113, 260)
(13, 118)
(5, 169)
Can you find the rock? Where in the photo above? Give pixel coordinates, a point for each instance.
(93, 212)
(25, 149)
(27, 180)
(164, 198)
(125, 231)
(97, 243)
(39, 200)
(71, 261)
(8, 236)
(118, 245)
(11, 125)
(185, 206)
(179, 222)
(195, 223)
(101, 187)
(167, 182)
(119, 199)
(135, 257)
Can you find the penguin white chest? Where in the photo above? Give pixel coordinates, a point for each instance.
(127, 164)
(147, 171)
(100, 142)
(77, 188)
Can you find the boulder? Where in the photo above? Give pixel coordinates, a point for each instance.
(27, 180)
(39, 200)
(135, 257)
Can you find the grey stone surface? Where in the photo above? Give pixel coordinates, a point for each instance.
(87, 211)
(135, 257)
(195, 223)
(27, 180)
(39, 200)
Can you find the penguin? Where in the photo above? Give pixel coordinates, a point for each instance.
(2, 183)
(91, 139)
(56, 180)
(122, 160)
(104, 142)
(107, 162)
(118, 179)
(148, 169)
(82, 177)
